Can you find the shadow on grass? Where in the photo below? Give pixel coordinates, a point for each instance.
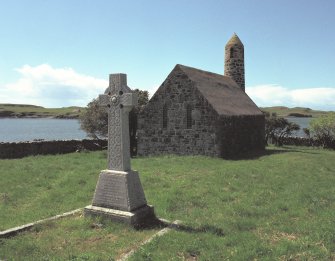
(202, 229)
(184, 228)
(152, 223)
(267, 152)
(287, 149)
(290, 149)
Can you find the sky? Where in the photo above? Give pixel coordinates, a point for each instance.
(57, 53)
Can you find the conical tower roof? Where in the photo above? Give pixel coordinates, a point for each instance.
(234, 40)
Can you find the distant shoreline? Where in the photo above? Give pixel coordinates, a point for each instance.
(20, 111)
(59, 117)
(296, 112)
(38, 117)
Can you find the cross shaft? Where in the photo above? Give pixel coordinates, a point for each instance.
(118, 103)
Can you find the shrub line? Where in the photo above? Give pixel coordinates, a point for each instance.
(13, 231)
(161, 232)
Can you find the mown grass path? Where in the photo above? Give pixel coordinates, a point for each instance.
(277, 206)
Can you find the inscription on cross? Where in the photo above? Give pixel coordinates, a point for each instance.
(118, 100)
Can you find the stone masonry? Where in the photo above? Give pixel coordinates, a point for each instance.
(176, 138)
(211, 134)
(119, 194)
(234, 61)
(240, 135)
(196, 112)
(13, 150)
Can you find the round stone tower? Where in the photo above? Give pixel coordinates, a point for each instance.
(234, 61)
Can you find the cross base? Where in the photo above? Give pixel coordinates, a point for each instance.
(121, 190)
(138, 218)
(119, 196)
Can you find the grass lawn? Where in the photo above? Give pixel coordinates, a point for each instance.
(278, 206)
(73, 238)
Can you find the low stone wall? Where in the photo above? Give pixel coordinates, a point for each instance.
(309, 142)
(11, 150)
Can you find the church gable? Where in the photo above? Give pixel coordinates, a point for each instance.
(176, 100)
(177, 119)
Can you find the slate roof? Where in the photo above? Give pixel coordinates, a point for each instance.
(223, 93)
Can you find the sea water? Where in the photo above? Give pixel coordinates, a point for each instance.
(14, 130)
(302, 122)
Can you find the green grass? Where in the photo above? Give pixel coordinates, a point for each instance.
(283, 111)
(33, 188)
(278, 206)
(22, 110)
(73, 238)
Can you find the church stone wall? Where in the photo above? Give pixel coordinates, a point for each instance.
(210, 134)
(177, 94)
(241, 135)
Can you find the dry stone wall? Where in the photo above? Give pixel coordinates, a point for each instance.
(308, 142)
(11, 150)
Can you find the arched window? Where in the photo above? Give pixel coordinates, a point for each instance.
(231, 52)
(165, 116)
(188, 116)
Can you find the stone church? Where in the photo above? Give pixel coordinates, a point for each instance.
(195, 112)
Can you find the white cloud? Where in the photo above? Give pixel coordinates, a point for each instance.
(275, 95)
(52, 87)
(57, 87)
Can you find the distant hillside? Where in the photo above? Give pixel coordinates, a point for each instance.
(73, 112)
(32, 111)
(283, 111)
(20, 105)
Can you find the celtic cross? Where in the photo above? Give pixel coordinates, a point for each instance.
(118, 100)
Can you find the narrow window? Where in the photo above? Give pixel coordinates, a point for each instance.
(188, 117)
(165, 117)
(232, 52)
